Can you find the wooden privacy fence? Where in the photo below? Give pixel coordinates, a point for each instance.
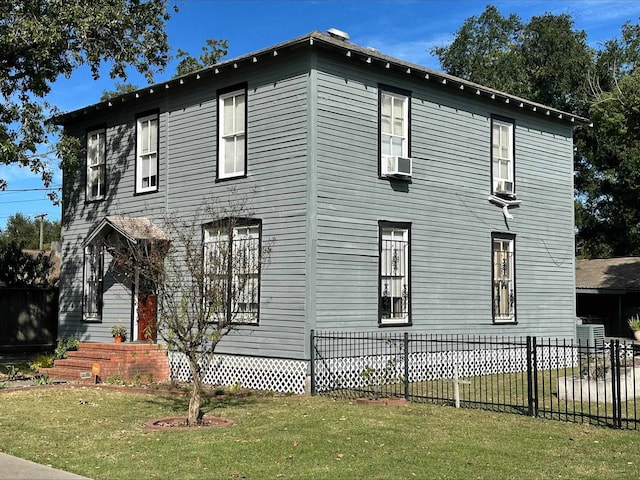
(28, 318)
(548, 378)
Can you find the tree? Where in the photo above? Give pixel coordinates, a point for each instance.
(43, 40)
(213, 51)
(607, 161)
(120, 89)
(26, 232)
(545, 60)
(19, 269)
(608, 174)
(204, 292)
(484, 51)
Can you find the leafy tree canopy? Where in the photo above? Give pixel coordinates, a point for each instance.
(545, 60)
(25, 232)
(19, 269)
(120, 89)
(41, 40)
(212, 52)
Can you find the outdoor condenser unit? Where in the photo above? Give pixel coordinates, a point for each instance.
(590, 335)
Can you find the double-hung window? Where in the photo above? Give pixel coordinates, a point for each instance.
(92, 284)
(147, 154)
(394, 272)
(96, 164)
(394, 117)
(232, 134)
(502, 156)
(504, 287)
(232, 255)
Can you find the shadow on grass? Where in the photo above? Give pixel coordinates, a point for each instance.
(178, 399)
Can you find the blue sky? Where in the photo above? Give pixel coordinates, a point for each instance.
(404, 29)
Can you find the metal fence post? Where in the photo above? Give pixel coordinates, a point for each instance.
(312, 362)
(532, 377)
(615, 383)
(406, 366)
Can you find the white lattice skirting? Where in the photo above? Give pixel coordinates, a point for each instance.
(346, 372)
(259, 373)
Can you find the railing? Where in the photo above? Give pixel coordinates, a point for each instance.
(558, 379)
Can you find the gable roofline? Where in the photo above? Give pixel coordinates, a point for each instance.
(349, 50)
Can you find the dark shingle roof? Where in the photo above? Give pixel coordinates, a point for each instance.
(621, 273)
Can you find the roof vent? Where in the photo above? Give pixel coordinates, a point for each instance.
(339, 34)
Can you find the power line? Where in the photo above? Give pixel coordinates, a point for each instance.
(16, 190)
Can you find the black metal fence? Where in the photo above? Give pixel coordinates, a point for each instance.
(548, 378)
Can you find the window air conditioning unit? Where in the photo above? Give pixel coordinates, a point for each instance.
(398, 167)
(504, 186)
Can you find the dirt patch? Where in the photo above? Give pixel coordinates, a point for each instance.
(180, 423)
(382, 401)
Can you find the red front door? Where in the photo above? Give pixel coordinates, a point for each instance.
(147, 318)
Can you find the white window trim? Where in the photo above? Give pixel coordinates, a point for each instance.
(509, 279)
(384, 158)
(508, 182)
(398, 233)
(242, 133)
(97, 163)
(153, 151)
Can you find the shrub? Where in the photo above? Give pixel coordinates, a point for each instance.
(41, 361)
(64, 346)
(12, 372)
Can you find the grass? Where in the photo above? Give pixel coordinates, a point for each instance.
(99, 433)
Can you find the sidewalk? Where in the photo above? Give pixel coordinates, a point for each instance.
(13, 468)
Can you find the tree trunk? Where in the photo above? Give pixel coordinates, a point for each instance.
(196, 389)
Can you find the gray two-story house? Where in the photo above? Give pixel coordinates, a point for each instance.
(397, 197)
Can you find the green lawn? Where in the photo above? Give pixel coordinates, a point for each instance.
(100, 433)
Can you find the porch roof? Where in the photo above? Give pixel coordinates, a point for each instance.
(133, 229)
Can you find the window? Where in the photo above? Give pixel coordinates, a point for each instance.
(504, 292)
(92, 286)
(502, 156)
(96, 164)
(394, 272)
(394, 128)
(232, 269)
(232, 138)
(147, 156)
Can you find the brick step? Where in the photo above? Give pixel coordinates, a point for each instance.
(125, 360)
(78, 362)
(76, 375)
(90, 355)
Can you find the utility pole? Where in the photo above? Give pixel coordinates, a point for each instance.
(41, 218)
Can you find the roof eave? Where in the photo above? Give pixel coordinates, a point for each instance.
(368, 55)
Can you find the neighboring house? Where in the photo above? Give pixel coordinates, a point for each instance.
(397, 197)
(608, 292)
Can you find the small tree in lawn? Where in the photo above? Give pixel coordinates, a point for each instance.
(206, 281)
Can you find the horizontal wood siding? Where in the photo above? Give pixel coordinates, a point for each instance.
(446, 204)
(275, 185)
